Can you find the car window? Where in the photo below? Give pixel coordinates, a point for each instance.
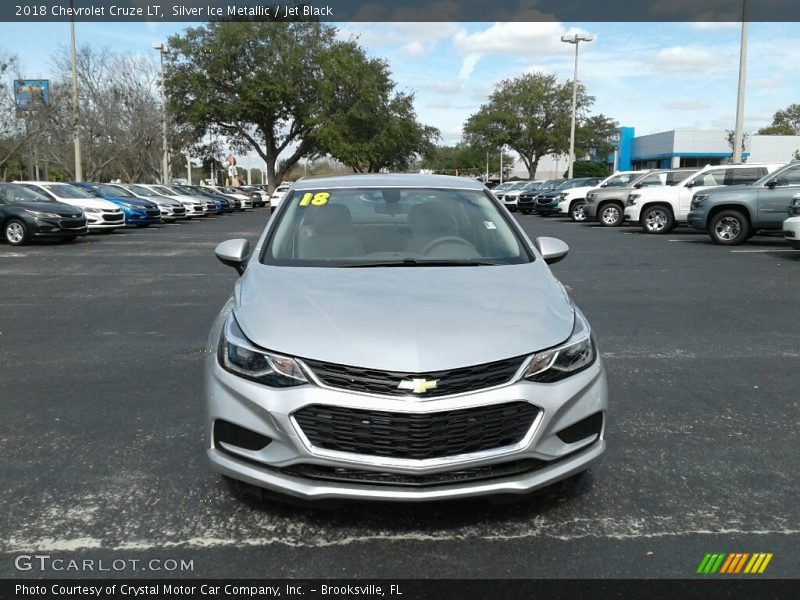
(11, 192)
(710, 178)
(164, 191)
(744, 176)
(365, 226)
(790, 176)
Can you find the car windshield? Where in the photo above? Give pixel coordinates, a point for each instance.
(64, 190)
(107, 189)
(16, 193)
(533, 185)
(373, 227)
(164, 191)
(789, 175)
(550, 185)
(621, 180)
(143, 191)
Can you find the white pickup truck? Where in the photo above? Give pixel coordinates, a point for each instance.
(659, 209)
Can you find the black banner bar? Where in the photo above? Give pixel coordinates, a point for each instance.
(709, 588)
(397, 10)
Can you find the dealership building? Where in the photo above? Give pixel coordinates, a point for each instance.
(678, 148)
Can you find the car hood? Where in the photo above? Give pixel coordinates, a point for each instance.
(58, 208)
(90, 203)
(581, 190)
(612, 191)
(731, 191)
(164, 200)
(132, 201)
(414, 319)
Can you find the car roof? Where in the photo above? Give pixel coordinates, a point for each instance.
(388, 180)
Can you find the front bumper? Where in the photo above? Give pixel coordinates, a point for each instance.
(791, 229)
(697, 219)
(279, 465)
(105, 220)
(142, 217)
(590, 211)
(547, 206)
(57, 228)
(632, 213)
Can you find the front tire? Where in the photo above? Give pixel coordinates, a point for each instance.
(610, 215)
(729, 228)
(576, 211)
(657, 219)
(15, 232)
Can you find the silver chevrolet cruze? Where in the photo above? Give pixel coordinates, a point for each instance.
(399, 337)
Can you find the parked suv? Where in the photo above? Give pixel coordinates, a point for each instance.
(607, 205)
(659, 209)
(791, 226)
(526, 198)
(732, 215)
(547, 202)
(571, 201)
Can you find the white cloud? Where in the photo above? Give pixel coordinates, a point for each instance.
(685, 105)
(414, 49)
(683, 59)
(468, 65)
(521, 39)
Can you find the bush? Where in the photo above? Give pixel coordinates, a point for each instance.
(588, 168)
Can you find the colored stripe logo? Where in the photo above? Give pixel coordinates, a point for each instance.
(735, 563)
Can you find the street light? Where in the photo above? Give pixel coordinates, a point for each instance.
(575, 39)
(738, 136)
(162, 50)
(75, 130)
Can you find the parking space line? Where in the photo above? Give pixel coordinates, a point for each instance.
(768, 250)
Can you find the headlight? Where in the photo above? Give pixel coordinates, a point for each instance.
(698, 200)
(92, 210)
(238, 355)
(575, 355)
(590, 198)
(632, 198)
(562, 196)
(43, 215)
(796, 202)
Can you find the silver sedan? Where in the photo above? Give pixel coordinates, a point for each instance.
(399, 337)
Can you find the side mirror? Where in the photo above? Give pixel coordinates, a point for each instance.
(234, 253)
(772, 184)
(551, 249)
(690, 184)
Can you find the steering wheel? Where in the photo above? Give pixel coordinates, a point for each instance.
(448, 239)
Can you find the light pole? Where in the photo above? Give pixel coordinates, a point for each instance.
(738, 136)
(575, 39)
(501, 165)
(162, 50)
(75, 130)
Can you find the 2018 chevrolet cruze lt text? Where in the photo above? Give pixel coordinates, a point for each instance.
(399, 337)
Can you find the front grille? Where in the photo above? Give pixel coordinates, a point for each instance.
(452, 381)
(470, 474)
(113, 218)
(179, 211)
(152, 213)
(416, 436)
(788, 234)
(544, 200)
(72, 223)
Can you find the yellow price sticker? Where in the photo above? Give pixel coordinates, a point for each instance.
(315, 199)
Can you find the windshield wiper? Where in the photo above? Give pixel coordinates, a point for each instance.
(413, 262)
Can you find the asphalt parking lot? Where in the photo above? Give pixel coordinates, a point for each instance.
(101, 439)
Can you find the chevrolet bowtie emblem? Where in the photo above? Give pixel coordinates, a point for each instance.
(418, 386)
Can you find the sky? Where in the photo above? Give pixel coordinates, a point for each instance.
(650, 76)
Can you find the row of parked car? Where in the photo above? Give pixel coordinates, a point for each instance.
(43, 209)
(730, 202)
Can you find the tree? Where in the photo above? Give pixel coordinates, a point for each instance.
(730, 136)
(589, 168)
(366, 124)
(119, 117)
(784, 122)
(593, 138)
(530, 114)
(463, 159)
